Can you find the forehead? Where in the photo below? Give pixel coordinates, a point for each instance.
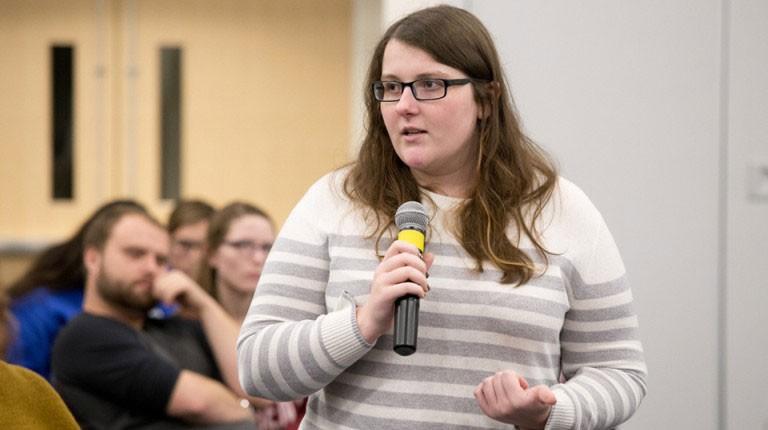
(250, 227)
(197, 229)
(135, 230)
(402, 60)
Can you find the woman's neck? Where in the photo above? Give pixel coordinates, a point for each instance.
(457, 180)
(234, 301)
(456, 185)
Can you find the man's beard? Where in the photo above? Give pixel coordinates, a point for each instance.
(122, 294)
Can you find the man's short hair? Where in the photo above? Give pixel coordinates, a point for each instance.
(189, 212)
(100, 228)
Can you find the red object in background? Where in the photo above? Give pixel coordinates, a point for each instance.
(301, 408)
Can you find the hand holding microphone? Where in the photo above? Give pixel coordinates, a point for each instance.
(402, 272)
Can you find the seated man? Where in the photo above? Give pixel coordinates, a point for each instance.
(188, 226)
(110, 372)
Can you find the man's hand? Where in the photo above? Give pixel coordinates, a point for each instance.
(506, 397)
(175, 287)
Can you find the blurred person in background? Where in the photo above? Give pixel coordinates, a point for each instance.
(109, 370)
(27, 401)
(240, 237)
(188, 226)
(49, 294)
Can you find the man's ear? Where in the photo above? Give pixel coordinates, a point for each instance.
(92, 259)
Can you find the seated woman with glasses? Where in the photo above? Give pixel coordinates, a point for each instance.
(240, 236)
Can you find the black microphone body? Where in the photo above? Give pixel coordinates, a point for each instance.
(411, 220)
(406, 324)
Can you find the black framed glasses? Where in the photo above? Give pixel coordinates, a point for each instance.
(422, 89)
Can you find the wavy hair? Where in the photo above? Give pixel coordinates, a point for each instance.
(514, 178)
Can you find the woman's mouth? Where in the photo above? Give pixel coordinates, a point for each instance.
(409, 131)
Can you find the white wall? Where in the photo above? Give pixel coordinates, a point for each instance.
(626, 95)
(658, 109)
(747, 218)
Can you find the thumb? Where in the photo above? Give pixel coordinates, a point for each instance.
(543, 394)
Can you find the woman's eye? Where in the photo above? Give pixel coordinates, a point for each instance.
(391, 86)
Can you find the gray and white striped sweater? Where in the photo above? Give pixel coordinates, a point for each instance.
(300, 337)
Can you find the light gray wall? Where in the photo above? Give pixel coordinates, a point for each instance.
(746, 325)
(626, 95)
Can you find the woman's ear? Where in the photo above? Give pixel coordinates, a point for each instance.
(493, 91)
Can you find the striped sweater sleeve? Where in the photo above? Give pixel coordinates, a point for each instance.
(601, 354)
(291, 344)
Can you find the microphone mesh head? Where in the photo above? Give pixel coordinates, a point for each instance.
(411, 216)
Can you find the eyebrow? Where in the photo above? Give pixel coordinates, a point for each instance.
(435, 74)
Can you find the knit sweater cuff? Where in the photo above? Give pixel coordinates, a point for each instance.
(563, 414)
(341, 335)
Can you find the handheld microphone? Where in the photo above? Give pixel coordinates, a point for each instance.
(411, 220)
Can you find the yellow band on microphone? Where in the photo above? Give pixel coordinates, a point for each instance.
(413, 237)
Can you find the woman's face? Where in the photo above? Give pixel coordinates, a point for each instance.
(240, 257)
(435, 138)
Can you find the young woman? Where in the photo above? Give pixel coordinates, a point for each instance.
(526, 316)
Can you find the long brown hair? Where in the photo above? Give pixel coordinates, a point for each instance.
(513, 175)
(217, 232)
(60, 266)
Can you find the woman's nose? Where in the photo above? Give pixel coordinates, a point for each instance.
(407, 103)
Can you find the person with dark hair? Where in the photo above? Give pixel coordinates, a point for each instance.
(188, 226)
(27, 401)
(49, 294)
(109, 369)
(526, 315)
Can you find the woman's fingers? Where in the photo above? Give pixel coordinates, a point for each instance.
(400, 247)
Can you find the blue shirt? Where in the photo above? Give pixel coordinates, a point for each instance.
(41, 314)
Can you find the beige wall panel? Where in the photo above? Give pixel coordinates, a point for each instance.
(265, 103)
(12, 267)
(27, 30)
(265, 96)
